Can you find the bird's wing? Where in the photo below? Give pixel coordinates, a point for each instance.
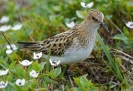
(57, 44)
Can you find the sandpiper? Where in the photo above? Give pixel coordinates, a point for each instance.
(72, 46)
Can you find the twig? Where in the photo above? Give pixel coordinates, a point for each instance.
(117, 27)
(7, 41)
(71, 82)
(22, 20)
(126, 57)
(123, 53)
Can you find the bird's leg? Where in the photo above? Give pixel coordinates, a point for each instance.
(83, 64)
(65, 70)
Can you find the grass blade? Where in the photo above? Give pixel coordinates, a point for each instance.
(110, 59)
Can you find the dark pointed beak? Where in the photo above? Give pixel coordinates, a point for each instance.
(102, 25)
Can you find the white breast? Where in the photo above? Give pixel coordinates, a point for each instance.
(74, 55)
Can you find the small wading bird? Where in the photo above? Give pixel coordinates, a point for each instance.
(72, 46)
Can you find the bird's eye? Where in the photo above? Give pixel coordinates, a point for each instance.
(93, 18)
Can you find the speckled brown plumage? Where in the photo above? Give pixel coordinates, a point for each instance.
(73, 45)
(56, 45)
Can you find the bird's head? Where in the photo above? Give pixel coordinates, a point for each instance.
(95, 18)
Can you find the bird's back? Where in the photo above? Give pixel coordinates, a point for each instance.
(56, 45)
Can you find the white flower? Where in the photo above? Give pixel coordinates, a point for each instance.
(84, 5)
(4, 19)
(25, 62)
(17, 27)
(3, 72)
(9, 50)
(54, 63)
(34, 74)
(5, 28)
(20, 82)
(3, 84)
(37, 55)
(70, 25)
(13, 47)
(129, 24)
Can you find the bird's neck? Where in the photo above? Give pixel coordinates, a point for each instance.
(88, 29)
(89, 26)
(87, 33)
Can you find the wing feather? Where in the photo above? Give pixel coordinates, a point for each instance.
(57, 45)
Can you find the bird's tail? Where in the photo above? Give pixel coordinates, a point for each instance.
(31, 46)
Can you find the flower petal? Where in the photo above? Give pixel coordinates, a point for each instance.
(4, 19)
(23, 82)
(3, 72)
(58, 62)
(3, 84)
(84, 5)
(25, 62)
(9, 51)
(37, 55)
(129, 24)
(17, 27)
(5, 28)
(20, 82)
(13, 47)
(34, 74)
(89, 5)
(70, 25)
(54, 63)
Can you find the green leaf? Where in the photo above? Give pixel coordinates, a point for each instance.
(76, 89)
(15, 87)
(35, 66)
(33, 83)
(12, 65)
(126, 32)
(9, 78)
(84, 82)
(29, 31)
(57, 8)
(80, 14)
(42, 64)
(55, 72)
(77, 81)
(108, 17)
(20, 72)
(3, 63)
(120, 37)
(125, 86)
(8, 88)
(51, 18)
(20, 88)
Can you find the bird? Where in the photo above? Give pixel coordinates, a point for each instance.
(72, 46)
